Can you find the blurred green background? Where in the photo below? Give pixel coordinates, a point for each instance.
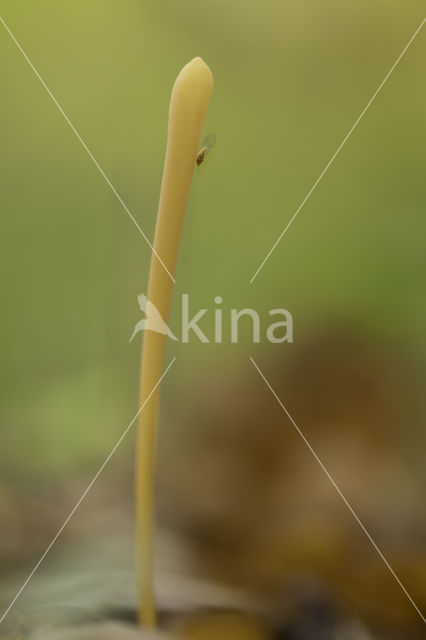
(290, 80)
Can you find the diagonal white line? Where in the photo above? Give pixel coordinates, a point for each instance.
(78, 503)
(333, 157)
(86, 148)
(338, 490)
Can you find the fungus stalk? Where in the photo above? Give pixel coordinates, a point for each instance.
(188, 107)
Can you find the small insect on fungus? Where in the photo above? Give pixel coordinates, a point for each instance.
(206, 145)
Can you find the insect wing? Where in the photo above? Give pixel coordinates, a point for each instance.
(209, 141)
